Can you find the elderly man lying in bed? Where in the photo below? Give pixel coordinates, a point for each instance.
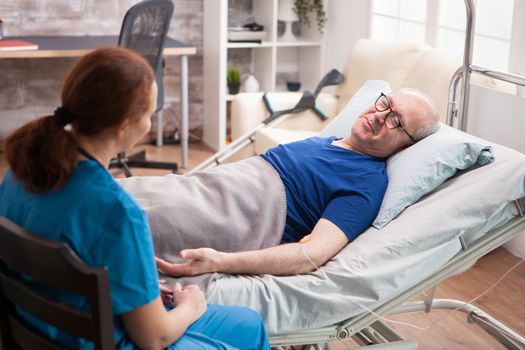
(289, 210)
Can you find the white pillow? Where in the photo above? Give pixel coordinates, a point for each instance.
(420, 168)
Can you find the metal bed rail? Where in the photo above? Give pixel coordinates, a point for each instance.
(452, 111)
(461, 112)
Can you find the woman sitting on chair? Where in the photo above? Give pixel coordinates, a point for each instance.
(58, 186)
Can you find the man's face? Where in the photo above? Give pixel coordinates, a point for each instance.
(370, 134)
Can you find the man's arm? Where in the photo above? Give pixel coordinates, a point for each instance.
(324, 242)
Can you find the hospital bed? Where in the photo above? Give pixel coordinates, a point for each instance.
(441, 235)
(447, 231)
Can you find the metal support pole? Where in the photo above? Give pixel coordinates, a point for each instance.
(500, 331)
(428, 299)
(159, 129)
(452, 110)
(224, 154)
(467, 60)
(184, 110)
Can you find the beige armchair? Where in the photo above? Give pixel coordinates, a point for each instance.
(400, 64)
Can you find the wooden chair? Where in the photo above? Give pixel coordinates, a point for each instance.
(56, 265)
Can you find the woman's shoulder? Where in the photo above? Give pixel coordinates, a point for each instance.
(105, 205)
(100, 188)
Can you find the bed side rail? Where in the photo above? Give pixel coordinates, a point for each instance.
(453, 110)
(461, 112)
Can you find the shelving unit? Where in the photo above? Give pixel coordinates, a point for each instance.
(270, 61)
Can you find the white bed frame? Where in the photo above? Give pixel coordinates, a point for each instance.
(367, 329)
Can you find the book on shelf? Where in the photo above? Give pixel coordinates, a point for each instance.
(17, 45)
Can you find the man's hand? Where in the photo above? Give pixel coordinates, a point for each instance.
(202, 260)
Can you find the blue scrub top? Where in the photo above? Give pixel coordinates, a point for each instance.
(104, 225)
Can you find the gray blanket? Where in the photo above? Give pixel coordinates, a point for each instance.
(233, 207)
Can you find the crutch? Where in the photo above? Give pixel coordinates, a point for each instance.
(333, 77)
(307, 101)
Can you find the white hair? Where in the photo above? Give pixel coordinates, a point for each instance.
(433, 121)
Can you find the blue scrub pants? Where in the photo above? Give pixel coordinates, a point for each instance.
(225, 328)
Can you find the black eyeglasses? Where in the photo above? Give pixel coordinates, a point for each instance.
(392, 120)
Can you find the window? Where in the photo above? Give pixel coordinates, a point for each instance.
(492, 33)
(441, 23)
(399, 20)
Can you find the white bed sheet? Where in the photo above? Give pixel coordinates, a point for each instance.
(380, 264)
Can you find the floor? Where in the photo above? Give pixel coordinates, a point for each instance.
(447, 330)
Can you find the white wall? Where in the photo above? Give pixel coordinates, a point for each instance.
(517, 52)
(347, 22)
(496, 116)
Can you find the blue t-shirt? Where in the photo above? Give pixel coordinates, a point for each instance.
(104, 225)
(322, 180)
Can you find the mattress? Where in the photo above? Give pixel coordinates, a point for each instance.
(381, 264)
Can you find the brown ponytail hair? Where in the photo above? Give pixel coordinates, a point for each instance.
(103, 89)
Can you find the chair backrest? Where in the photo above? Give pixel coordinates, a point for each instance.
(144, 31)
(55, 265)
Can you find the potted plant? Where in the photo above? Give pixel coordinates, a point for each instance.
(233, 78)
(302, 9)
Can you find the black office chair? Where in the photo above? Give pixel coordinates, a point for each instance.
(56, 265)
(144, 31)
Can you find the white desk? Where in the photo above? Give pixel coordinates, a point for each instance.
(76, 46)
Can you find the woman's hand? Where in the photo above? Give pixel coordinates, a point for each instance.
(151, 326)
(202, 260)
(192, 297)
(166, 293)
